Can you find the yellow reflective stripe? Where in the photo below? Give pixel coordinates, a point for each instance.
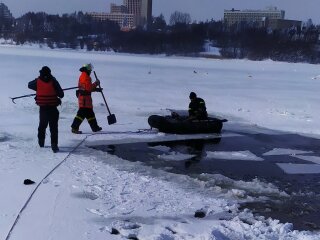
(90, 119)
(81, 119)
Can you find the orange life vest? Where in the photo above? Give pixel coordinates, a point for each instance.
(46, 94)
(86, 87)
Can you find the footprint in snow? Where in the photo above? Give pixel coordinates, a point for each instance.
(95, 211)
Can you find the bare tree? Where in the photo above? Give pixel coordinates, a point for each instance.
(179, 17)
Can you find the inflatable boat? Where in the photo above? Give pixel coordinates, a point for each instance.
(168, 124)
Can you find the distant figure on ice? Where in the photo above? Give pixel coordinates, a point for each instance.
(86, 87)
(197, 108)
(48, 94)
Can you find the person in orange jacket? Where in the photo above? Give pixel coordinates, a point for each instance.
(48, 97)
(86, 87)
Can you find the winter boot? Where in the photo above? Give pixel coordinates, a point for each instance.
(55, 148)
(41, 142)
(76, 131)
(97, 129)
(76, 125)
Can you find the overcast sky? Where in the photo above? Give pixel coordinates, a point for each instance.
(198, 9)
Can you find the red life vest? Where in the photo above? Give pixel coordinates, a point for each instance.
(46, 94)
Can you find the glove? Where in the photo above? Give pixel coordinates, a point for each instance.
(99, 89)
(97, 82)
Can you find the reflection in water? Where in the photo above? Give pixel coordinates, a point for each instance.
(191, 147)
(197, 148)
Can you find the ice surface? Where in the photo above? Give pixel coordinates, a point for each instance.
(291, 168)
(239, 155)
(174, 156)
(314, 159)
(161, 148)
(282, 151)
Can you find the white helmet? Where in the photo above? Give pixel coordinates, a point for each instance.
(88, 66)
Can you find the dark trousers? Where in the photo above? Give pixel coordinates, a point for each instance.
(85, 113)
(48, 115)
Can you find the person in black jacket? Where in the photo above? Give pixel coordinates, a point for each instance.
(197, 108)
(48, 94)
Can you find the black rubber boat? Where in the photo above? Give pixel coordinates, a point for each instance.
(168, 124)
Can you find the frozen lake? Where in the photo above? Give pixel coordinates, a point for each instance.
(152, 191)
(283, 159)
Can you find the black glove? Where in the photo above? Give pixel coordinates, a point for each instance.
(99, 89)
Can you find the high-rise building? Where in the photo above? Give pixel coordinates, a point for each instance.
(131, 14)
(140, 8)
(5, 14)
(146, 12)
(118, 8)
(133, 6)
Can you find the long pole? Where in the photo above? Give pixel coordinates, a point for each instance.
(30, 95)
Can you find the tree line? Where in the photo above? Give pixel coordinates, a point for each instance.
(180, 36)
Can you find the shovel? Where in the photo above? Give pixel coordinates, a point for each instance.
(111, 118)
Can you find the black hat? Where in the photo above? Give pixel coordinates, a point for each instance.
(192, 95)
(45, 70)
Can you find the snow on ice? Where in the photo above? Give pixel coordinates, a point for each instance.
(240, 155)
(281, 151)
(313, 159)
(94, 195)
(292, 168)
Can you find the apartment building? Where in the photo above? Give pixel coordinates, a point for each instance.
(5, 13)
(131, 14)
(233, 16)
(118, 8)
(124, 20)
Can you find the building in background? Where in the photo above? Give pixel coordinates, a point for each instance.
(146, 12)
(142, 9)
(124, 20)
(6, 20)
(270, 17)
(233, 16)
(118, 8)
(5, 14)
(283, 24)
(132, 14)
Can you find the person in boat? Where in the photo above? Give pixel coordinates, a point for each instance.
(197, 108)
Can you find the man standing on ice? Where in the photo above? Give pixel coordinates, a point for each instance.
(48, 94)
(86, 87)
